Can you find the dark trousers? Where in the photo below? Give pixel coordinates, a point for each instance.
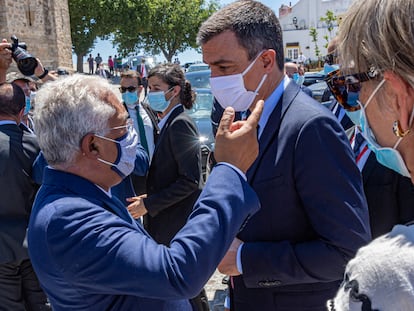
(145, 85)
(200, 302)
(20, 289)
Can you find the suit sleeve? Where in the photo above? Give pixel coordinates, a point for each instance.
(185, 148)
(118, 258)
(141, 162)
(329, 187)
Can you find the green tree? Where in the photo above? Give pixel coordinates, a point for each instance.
(167, 26)
(314, 34)
(89, 19)
(329, 19)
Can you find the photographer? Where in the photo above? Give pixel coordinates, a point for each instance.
(6, 56)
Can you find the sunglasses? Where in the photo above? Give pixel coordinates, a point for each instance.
(346, 88)
(123, 89)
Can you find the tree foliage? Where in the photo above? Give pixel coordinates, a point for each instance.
(155, 26)
(164, 26)
(330, 18)
(89, 19)
(314, 35)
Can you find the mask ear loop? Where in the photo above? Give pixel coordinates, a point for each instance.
(374, 93)
(251, 64)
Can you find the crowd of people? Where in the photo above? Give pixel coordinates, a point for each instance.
(123, 221)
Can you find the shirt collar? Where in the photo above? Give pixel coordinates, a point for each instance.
(271, 102)
(3, 122)
(164, 120)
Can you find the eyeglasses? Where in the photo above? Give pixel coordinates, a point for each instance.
(123, 89)
(346, 88)
(129, 125)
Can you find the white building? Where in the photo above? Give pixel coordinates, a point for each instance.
(297, 20)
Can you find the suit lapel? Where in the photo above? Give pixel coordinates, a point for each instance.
(368, 167)
(272, 126)
(171, 117)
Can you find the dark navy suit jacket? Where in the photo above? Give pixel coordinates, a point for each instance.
(390, 196)
(18, 151)
(89, 254)
(314, 215)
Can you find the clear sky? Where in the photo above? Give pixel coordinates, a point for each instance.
(105, 48)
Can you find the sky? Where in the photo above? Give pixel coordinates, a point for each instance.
(106, 49)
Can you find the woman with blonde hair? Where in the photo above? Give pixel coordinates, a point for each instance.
(377, 47)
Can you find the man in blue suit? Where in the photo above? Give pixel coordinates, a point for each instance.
(292, 253)
(88, 252)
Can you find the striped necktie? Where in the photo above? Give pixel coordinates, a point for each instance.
(358, 141)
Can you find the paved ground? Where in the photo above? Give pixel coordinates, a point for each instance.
(216, 292)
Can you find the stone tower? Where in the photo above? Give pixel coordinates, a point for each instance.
(43, 25)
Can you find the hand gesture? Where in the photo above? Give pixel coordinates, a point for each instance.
(236, 143)
(137, 207)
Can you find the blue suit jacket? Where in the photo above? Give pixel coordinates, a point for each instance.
(89, 254)
(123, 190)
(314, 215)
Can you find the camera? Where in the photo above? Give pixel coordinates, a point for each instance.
(25, 61)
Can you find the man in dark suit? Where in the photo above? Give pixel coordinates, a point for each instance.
(292, 253)
(19, 287)
(143, 70)
(390, 196)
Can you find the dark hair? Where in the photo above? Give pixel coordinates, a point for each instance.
(131, 74)
(12, 99)
(255, 25)
(173, 75)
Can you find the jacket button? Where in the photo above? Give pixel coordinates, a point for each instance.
(272, 283)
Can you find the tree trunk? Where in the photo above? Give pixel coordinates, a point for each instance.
(79, 63)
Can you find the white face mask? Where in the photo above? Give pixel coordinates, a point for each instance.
(231, 92)
(127, 149)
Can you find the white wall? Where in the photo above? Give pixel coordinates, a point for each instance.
(307, 13)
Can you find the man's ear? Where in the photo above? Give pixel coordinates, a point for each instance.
(89, 146)
(268, 58)
(21, 114)
(401, 99)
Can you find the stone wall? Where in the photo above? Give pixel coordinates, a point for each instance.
(43, 25)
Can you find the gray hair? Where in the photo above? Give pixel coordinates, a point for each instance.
(255, 25)
(379, 34)
(66, 110)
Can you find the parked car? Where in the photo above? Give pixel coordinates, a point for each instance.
(312, 77)
(318, 90)
(200, 113)
(199, 79)
(198, 67)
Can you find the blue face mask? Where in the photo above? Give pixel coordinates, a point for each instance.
(389, 157)
(352, 100)
(157, 100)
(328, 68)
(301, 79)
(295, 77)
(130, 98)
(28, 106)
